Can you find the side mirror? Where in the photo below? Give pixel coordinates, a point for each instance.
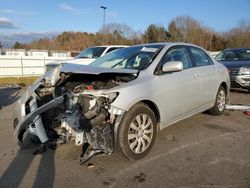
(172, 66)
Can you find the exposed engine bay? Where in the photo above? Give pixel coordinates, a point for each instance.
(77, 109)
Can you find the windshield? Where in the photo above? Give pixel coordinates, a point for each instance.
(94, 52)
(136, 57)
(234, 55)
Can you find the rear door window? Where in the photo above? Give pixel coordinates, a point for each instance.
(200, 57)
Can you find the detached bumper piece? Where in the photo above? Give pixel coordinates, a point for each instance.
(243, 108)
(101, 142)
(32, 120)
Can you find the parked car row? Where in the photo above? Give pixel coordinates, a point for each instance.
(120, 100)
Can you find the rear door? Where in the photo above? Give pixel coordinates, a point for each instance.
(208, 76)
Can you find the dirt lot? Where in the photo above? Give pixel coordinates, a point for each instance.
(202, 151)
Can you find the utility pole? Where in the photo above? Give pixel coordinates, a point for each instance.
(103, 25)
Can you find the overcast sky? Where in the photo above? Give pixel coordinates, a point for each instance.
(49, 17)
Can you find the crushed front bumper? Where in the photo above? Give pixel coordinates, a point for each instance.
(22, 118)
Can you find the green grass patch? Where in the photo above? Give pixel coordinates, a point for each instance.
(22, 81)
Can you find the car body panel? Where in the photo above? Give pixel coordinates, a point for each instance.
(169, 91)
(208, 75)
(236, 64)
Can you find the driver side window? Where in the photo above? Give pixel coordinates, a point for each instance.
(178, 54)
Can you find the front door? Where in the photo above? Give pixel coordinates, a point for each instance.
(179, 92)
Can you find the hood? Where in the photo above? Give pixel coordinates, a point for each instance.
(86, 61)
(68, 68)
(86, 69)
(82, 61)
(57, 62)
(235, 64)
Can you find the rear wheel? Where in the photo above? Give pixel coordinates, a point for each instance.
(137, 132)
(220, 102)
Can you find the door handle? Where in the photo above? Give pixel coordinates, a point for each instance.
(196, 76)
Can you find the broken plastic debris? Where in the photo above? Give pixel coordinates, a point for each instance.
(170, 137)
(247, 113)
(90, 165)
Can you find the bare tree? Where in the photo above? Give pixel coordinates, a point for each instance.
(122, 29)
(187, 29)
(180, 29)
(239, 36)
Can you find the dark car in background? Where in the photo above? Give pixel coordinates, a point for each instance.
(237, 61)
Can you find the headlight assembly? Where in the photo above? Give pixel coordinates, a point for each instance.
(244, 71)
(113, 96)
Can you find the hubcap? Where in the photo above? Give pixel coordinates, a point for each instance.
(140, 133)
(221, 100)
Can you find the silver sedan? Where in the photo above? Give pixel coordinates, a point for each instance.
(122, 99)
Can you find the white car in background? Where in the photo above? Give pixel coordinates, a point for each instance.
(86, 56)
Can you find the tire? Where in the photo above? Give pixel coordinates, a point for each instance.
(28, 141)
(220, 102)
(137, 132)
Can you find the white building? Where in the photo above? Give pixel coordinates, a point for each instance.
(59, 54)
(20, 62)
(33, 53)
(37, 53)
(13, 52)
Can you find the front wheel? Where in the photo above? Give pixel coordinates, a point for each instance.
(137, 132)
(220, 102)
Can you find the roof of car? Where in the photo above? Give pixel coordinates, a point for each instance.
(156, 43)
(169, 44)
(237, 49)
(110, 46)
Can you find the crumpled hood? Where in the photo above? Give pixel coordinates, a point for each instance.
(88, 69)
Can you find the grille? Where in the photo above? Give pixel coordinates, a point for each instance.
(234, 71)
(235, 84)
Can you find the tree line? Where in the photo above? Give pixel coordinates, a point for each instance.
(180, 29)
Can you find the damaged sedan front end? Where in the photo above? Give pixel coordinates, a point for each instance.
(121, 99)
(73, 106)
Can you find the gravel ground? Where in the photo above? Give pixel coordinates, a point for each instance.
(202, 151)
